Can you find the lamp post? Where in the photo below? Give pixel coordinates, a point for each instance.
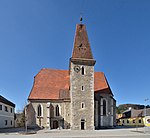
(145, 114)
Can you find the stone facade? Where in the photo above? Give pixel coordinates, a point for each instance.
(75, 99)
(105, 118)
(65, 118)
(82, 97)
(49, 118)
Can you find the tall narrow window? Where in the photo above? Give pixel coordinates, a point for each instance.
(82, 105)
(82, 88)
(39, 110)
(0, 107)
(57, 110)
(51, 110)
(104, 107)
(83, 71)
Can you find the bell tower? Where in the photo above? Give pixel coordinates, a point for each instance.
(82, 82)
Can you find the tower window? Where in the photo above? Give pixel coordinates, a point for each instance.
(82, 88)
(83, 71)
(82, 105)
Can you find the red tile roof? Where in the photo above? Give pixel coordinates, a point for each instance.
(53, 84)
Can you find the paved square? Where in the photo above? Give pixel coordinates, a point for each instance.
(105, 133)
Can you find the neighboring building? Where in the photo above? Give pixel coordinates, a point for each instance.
(118, 116)
(78, 98)
(133, 117)
(7, 109)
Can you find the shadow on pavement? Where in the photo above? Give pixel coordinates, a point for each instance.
(120, 127)
(21, 130)
(124, 127)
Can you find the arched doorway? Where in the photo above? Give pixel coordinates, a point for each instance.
(55, 124)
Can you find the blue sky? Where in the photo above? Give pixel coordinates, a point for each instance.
(36, 34)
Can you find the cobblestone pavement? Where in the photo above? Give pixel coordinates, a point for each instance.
(105, 133)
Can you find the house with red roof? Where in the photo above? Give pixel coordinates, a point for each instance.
(78, 98)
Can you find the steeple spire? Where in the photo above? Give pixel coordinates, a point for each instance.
(82, 49)
(81, 71)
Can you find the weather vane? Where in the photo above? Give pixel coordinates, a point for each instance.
(81, 19)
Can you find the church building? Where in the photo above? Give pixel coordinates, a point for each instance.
(78, 98)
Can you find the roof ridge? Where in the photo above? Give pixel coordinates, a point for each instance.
(53, 69)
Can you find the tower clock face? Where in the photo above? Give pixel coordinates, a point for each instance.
(77, 69)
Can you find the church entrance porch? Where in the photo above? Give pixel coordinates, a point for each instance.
(55, 124)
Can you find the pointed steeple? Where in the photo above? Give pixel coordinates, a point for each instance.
(81, 72)
(81, 48)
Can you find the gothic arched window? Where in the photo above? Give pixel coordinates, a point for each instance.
(51, 110)
(39, 110)
(104, 107)
(57, 110)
